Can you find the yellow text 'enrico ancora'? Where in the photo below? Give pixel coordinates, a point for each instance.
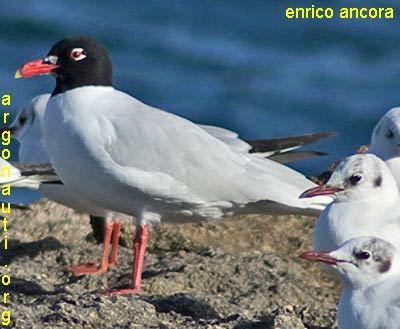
(315, 12)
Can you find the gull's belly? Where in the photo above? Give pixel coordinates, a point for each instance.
(62, 195)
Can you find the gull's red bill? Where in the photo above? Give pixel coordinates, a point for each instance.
(320, 256)
(320, 190)
(33, 68)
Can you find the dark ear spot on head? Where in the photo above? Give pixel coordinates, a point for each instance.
(385, 266)
(378, 181)
(390, 134)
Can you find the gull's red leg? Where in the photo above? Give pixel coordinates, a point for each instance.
(140, 244)
(93, 267)
(114, 247)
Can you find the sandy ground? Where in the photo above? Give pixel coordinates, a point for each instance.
(240, 273)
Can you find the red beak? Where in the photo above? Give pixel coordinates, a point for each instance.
(34, 68)
(320, 190)
(320, 256)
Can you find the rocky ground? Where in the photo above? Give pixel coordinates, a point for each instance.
(242, 273)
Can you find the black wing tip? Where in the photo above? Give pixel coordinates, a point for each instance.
(294, 156)
(313, 137)
(34, 168)
(278, 144)
(326, 134)
(53, 182)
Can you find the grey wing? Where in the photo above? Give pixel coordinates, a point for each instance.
(162, 153)
(228, 137)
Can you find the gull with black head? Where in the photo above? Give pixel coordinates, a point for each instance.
(129, 157)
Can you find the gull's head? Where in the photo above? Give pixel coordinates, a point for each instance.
(74, 62)
(360, 261)
(385, 140)
(360, 177)
(28, 123)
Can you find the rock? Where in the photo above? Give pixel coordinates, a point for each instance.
(286, 318)
(241, 273)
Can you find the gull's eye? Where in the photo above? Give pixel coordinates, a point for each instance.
(22, 120)
(389, 134)
(364, 255)
(77, 54)
(354, 179)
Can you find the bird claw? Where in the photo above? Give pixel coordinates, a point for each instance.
(121, 291)
(113, 264)
(87, 269)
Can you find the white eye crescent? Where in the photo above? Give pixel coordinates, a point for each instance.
(77, 54)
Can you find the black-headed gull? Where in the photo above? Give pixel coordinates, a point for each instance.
(370, 271)
(366, 203)
(124, 155)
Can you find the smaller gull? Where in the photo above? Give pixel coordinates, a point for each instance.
(370, 271)
(366, 203)
(27, 129)
(385, 141)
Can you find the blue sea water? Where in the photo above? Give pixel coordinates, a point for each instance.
(237, 64)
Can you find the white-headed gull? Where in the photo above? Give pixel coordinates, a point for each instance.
(370, 271)
(366, 203)
(27, 129)
(129, 157)
(385, 141)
